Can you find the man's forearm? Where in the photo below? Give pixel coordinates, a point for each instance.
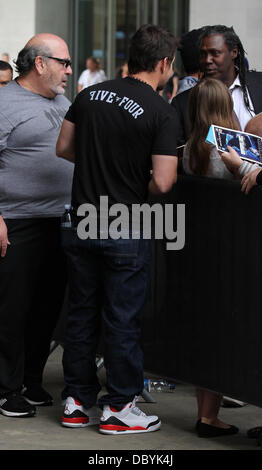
(160, 187)
(65, 146)
(153, 188)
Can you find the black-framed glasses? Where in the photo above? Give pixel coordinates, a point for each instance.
(65, 62)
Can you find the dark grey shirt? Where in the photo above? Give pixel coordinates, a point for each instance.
(34, 182)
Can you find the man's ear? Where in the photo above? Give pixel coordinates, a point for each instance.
(163, 64)
(234, 53)
(40, 65)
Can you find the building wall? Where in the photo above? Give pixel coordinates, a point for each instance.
(245, 17)
(52, 16)
(21, 19)
(17, 25)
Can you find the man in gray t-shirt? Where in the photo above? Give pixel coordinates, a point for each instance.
(34, 187)
(33, 181)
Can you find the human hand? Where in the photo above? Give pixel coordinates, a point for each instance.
(249, 180)
(4, 242)
(231, 159)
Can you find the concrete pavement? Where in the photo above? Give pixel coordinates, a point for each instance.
(177, 411)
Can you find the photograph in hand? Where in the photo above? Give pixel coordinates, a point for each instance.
(248, 146)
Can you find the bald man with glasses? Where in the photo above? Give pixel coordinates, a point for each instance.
(34, 187)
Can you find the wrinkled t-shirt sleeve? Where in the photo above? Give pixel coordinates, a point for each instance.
(70, 115)
(5, 130)
(165, 142)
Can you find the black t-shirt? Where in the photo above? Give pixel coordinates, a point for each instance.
(119, 125)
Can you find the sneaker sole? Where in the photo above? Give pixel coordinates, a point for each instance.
(13, 414)
(38, 403)
(111, 429)
(74, 425)
(71, 424)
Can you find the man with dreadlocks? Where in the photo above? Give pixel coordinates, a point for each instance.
(222, 56)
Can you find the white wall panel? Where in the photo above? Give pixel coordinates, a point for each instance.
(244, 15)
(17, 25)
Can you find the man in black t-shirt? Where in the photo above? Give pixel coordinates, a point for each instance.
(116, 132)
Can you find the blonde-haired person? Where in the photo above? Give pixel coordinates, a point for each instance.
(92, 75)
(210, 102)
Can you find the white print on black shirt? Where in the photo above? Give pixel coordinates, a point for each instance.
(110, 97)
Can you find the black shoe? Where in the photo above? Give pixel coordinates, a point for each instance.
(14, 405)
(197, 424)
(36, 395)
(207, 430)
(253, 433)
(259, 439)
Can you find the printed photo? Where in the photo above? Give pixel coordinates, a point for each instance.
(248, 146)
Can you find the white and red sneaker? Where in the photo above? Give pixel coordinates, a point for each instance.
(129, 420)
(77, 416)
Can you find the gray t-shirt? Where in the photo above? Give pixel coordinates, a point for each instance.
(34, 182)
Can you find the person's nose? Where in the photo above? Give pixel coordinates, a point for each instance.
(69, 70)
(209, 58)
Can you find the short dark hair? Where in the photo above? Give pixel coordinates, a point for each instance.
(26, 58)
(5, 66)
(189, 50)
(150, 44)
(231, 40)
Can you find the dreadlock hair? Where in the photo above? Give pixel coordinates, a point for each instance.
(232, 41)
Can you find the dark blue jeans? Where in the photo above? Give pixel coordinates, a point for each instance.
(108, 287)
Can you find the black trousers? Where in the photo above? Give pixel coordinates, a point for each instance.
(32, 287)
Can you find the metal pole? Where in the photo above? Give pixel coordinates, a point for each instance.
(111, 38)
(155, 15)
(73, 41)
(138, 14)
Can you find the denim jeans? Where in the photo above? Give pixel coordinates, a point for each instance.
(108, 287)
